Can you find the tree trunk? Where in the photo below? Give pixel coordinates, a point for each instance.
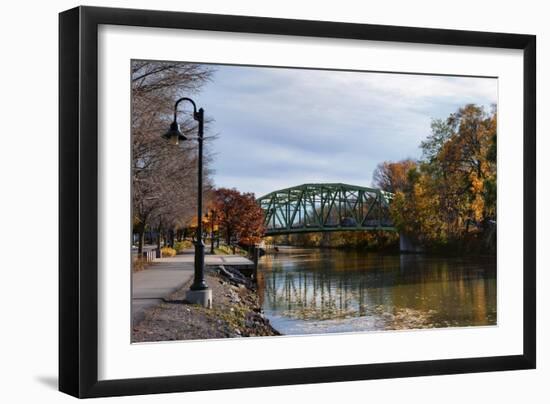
(141, 232)
(171, 235)
(228, 237)
(158, 238)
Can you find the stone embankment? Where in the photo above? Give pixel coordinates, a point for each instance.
(236, 312)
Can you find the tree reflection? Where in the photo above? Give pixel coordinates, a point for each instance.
(333, 284)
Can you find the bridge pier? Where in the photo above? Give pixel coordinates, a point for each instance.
(408, 245)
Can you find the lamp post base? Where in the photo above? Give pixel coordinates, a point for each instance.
(201, 297)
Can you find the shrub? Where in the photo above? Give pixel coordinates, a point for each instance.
(228, 250)
(167, 252)
(179, 246)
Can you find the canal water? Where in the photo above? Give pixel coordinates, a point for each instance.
(315, 291)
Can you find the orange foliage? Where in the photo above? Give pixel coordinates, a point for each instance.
(393, 177)
(239, 216)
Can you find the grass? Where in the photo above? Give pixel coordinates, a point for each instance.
(226, 250)
(139, 264)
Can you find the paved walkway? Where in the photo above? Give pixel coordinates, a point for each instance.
(166, 275)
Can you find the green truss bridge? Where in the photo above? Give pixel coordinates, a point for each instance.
(326, 207)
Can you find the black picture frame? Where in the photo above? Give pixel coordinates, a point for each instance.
(78, 201)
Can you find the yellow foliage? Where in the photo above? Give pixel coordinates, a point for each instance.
(456, 186)
(167, 252)
(179, 246)
(477, 208)
(477, 184)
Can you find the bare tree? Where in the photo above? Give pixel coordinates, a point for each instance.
(393, 176)
(163, 176)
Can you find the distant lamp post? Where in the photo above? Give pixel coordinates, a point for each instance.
(199, 292)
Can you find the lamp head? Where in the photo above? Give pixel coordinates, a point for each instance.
(174, 134)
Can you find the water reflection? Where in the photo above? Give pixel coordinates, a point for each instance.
(317, 291)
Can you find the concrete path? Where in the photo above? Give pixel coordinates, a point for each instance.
(166, 275)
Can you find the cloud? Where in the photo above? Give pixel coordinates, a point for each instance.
(283, 127)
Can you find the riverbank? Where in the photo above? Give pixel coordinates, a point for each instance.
(371, 240)
(394, 250)
(236, 312)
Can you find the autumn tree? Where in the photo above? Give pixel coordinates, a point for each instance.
(452, 192)
(464, 166)
(239, 216)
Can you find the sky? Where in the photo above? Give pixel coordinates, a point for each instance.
(280, 127)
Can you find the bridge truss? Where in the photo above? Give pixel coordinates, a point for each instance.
(326, 207)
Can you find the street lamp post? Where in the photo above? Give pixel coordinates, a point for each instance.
(199, 292)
